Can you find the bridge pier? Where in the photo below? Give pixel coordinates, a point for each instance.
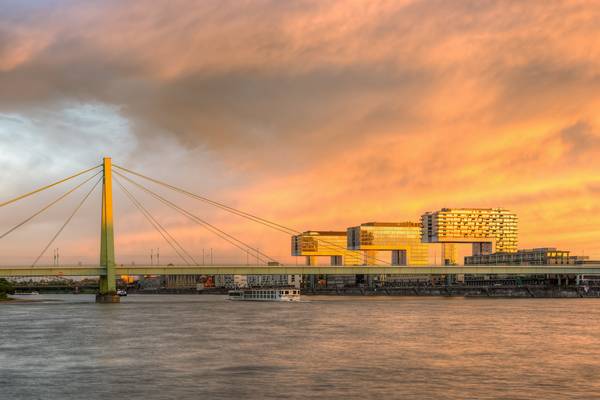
(107, 298)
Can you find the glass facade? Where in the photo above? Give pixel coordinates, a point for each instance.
(325, 243)
(403, 239)
(541, 256)
(487, 228)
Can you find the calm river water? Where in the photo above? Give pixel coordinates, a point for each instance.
(176, 347)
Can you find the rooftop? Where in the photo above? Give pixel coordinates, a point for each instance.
(468, 209)
(398, 224)
(325, 233)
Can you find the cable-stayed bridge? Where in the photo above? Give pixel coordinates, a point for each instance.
(107, 269)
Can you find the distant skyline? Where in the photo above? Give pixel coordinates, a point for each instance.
(319, 115)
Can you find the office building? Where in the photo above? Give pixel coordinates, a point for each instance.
(489, 230)
(332, 244)
(539, 256)
(401, 239)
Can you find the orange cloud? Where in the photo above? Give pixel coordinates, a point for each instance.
(327, 114)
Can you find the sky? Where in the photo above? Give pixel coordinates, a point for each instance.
(316, 114)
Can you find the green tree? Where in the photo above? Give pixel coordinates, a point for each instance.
(5, 287)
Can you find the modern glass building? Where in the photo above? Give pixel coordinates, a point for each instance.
(488, 229)
(313, 244)
(540, 256)
(402, 239)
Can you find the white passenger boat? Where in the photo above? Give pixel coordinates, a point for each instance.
(265, 294)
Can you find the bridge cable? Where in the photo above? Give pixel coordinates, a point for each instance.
(66, 222)
(156, 225)
(48, 186)
(241, 213)
(254, 218)
(213, 229)
(46, 207)
(244, 214)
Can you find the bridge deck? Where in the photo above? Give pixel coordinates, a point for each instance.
(586, 269)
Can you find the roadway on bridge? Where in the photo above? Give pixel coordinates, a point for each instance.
(21, 271)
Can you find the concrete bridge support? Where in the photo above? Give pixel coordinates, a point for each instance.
(449, 254)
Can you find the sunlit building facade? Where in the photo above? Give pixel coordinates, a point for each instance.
(539, 256)
(313, 244)
(332, 244)
(402, 239)
(487, 229)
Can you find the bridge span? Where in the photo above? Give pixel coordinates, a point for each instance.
(107, 269)
(585, 269)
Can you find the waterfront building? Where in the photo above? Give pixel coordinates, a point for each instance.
(242, 281)
(489, 230)
(402, 239)
(150, 282)
(538, 256)
(274, 280)
(225, 281)
(332, 244)
(129, 279)
(180, 281)
(231, 281)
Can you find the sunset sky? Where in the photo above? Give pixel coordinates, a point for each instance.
(315, 114)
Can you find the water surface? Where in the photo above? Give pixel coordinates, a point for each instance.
(180, 346)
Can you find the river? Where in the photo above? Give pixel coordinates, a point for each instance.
(191, 346)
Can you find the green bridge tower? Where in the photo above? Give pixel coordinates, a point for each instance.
(108, 288)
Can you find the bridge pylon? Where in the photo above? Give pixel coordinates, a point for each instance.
(108, 289)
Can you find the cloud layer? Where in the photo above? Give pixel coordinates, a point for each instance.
(323, 114)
